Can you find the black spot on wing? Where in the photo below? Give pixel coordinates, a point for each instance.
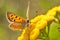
(19, 18)
(15, 16)
(11, 15)
(11, 18)
(14, 20)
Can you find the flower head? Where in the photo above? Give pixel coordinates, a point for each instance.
(38, 23)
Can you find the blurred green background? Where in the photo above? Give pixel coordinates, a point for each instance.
(19, 7)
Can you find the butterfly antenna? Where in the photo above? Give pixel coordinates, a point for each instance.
(27, 20)
(27, 13)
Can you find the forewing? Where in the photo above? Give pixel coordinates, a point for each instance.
(11, 17)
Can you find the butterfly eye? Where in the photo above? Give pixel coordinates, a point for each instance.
(27, 21)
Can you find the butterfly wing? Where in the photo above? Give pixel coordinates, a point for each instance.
(11, 17)
(16, 26)
(16, 22)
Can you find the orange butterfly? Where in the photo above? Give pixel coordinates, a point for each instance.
(16, 22)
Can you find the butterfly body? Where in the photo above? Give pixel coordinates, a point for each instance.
(16, 22)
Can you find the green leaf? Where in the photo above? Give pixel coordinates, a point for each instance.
(54, 34)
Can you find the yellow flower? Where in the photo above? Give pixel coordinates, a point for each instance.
(49, 18)
(58, 9)
(24, 35)
(34, 34)
(41, 24)
(52, 12)
(38, 23)
(37, 18)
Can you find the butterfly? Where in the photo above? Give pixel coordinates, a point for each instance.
(16, 22)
